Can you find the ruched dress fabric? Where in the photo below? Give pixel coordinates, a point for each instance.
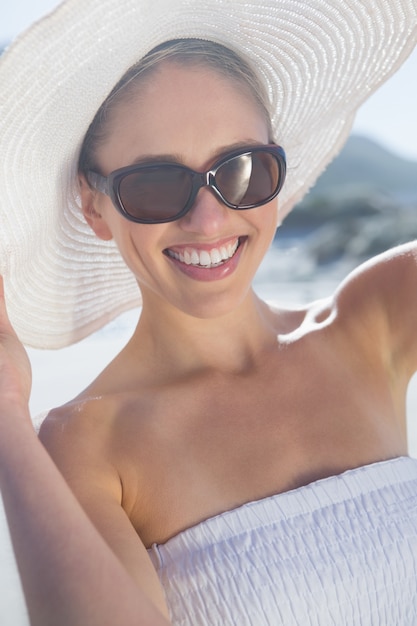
(341, 551)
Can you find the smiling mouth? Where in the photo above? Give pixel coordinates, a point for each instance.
(214, 257)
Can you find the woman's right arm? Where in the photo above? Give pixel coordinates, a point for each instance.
(69, 574)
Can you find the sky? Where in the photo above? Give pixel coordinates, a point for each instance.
(389, 116)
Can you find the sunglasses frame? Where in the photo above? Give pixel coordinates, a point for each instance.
(110, 185)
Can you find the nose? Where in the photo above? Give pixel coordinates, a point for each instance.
(208, 215)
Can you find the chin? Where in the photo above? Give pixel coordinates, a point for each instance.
(217, 306)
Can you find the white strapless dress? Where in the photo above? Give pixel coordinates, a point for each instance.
(341, 551)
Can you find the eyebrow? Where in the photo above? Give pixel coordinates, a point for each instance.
(176, 158)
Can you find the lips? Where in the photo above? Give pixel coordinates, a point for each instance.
(207, 258)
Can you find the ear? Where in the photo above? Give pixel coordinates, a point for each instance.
(92, 216)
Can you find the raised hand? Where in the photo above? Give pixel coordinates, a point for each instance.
(15, 370)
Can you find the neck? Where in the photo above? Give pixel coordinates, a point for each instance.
(178, 343)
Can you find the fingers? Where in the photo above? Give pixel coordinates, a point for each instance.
(15, 370)
(5, 324)
(2, 300)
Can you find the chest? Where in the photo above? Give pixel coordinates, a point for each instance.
(219, 441)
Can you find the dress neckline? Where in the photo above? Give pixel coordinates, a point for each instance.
(306, 499)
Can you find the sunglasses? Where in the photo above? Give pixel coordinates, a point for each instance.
(154, 193)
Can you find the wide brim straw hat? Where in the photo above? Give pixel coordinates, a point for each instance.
(318, 59)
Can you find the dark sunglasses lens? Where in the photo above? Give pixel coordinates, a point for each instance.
(155, 193)
(249, 179)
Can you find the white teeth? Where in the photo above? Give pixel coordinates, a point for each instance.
(224, 253)
(205, 258)
(215, 256)
(195, 259)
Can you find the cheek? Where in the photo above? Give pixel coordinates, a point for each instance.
(133, 249)
(274, 215)
(269, 224)
(128, 238)
(139, 244)
(268, 217)
(118, 225)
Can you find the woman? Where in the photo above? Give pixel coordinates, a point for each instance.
(244, 464)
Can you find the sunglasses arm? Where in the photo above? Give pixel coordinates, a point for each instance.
(98, 182)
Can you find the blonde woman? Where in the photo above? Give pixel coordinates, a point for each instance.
(236, 463)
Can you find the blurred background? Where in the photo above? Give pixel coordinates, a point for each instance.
(364, 203)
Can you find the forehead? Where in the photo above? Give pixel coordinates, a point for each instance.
(165, 70)
(183, 110)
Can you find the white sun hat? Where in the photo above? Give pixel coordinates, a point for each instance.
(319, 61)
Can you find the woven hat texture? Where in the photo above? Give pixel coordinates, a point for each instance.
(319, 61)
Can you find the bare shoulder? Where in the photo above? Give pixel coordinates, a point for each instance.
(83, 431)
(76, 436)
(93, 438)
(388, 279)
(380, 296)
